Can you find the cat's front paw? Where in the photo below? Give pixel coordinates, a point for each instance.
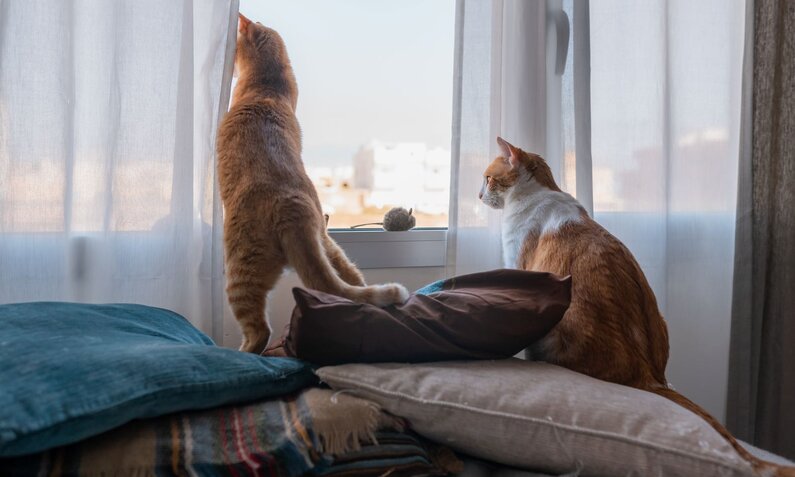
(391, 294)
(401, 294)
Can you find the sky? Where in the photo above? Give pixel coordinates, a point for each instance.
(366, 70)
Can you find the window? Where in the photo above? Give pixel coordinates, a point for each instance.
(375, 86)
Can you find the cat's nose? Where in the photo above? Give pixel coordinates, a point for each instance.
(480, 195)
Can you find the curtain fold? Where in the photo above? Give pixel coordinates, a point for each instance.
(473, 237)
(108, 114)
(665, 109)
(506, 83)
(762, 379)
(641, 125)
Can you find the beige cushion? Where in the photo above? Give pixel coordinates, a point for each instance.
(538, 416)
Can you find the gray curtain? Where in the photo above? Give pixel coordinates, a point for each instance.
(761, 398)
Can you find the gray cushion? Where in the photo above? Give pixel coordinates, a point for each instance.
(538, 416)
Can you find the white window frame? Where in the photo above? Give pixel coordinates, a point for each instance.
(421, 247)
(426, 247)
(416, 248)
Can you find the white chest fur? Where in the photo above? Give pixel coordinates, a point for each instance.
(531, 208)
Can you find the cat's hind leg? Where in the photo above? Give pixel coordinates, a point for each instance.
(250, 276)
(341, 263)
(304, 250)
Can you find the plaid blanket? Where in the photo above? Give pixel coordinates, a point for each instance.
(269, 438)
(317, 432)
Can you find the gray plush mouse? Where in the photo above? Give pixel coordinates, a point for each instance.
(397, 219)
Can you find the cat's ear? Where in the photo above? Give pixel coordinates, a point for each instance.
(243, 24)
(508, 151)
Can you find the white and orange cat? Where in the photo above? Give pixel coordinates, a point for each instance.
(613, 329)
(272, 214)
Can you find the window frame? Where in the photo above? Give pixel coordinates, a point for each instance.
(369, 249)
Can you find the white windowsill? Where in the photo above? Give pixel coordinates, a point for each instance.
(380, 249)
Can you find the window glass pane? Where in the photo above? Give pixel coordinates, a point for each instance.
(375, 101)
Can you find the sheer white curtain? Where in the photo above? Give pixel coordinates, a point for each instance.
(642, 125)
(508, 81)
(108, 114)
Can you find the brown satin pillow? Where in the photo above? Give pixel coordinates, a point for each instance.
(488, 315)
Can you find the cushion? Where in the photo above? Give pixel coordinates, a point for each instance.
(485, 315)
(542, 417)
(71, 371)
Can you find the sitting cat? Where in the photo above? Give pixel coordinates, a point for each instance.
(272, 214)
(613, 329)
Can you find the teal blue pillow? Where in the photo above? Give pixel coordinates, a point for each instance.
(69, 371)
(435, 287)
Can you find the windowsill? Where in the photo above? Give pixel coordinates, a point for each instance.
(375, 248)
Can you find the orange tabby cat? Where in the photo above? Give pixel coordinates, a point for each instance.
(613, 329)
(272, 214)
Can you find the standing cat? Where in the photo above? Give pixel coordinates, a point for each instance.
(613, 329)
(272, 215)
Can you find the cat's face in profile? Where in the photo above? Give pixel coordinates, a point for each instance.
(498, 178)
(262, 54)
(511, 167)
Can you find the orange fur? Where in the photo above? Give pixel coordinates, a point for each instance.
(272, 214)
(613, 329)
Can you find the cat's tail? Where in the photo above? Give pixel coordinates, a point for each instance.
(308, 257)
(761, 467)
